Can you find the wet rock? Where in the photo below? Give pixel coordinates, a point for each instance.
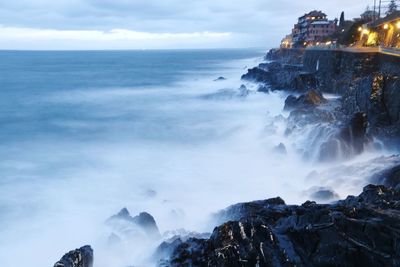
(263, 89)
(280, 149)
(184, 235)
(310, 99)
(136, 226)
(355, 133)
(389, 177)
(323, 194)
(257, 75)
(358, 231)
(82, 257)
(219, 79)
(226, 94)
(349, 141)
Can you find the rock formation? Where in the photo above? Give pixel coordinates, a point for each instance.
(82, 257)
(359, 231)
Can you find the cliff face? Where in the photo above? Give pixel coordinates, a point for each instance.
(369, 83)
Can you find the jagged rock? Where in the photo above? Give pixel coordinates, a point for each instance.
(82, 257)
(131, 226)
(147, 222)
(310, 99)
(359, 231)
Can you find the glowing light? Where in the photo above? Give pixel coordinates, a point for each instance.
(365, 31)
(386, 26)
(328, 43)
(372, 39)
(360, 29)
(398, 25)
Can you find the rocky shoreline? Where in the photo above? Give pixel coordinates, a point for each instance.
(358, 231)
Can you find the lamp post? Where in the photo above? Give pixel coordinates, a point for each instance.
(380, 6)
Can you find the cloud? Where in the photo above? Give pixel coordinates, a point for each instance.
(250, 23)
(66, 39)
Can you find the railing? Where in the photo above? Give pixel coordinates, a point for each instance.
(358, 49)
(390, 51)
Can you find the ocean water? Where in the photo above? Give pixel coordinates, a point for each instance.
(84, 134)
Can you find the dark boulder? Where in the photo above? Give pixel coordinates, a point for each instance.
(257, 75)
(312, 98)
(82, 257)
(359, 231)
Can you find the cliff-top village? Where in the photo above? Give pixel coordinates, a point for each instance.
(376, 30)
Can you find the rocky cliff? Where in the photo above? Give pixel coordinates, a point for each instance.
(367, 83)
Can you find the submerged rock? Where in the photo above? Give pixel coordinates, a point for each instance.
(220, 79)
(226, 94)
(82, 257)
(359, 231)
(280, 149)
(323, 194)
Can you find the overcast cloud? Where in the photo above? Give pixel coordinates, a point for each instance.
(134, 24)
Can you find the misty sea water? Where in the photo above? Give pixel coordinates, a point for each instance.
(28, 79)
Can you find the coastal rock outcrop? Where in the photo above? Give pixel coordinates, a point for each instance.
(358, 231)
(367, 82)
(280, 76)
(82, 257)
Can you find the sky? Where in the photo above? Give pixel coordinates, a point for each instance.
(156, 24)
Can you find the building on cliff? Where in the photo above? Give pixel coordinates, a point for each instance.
(312, 28)
(382, 33)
